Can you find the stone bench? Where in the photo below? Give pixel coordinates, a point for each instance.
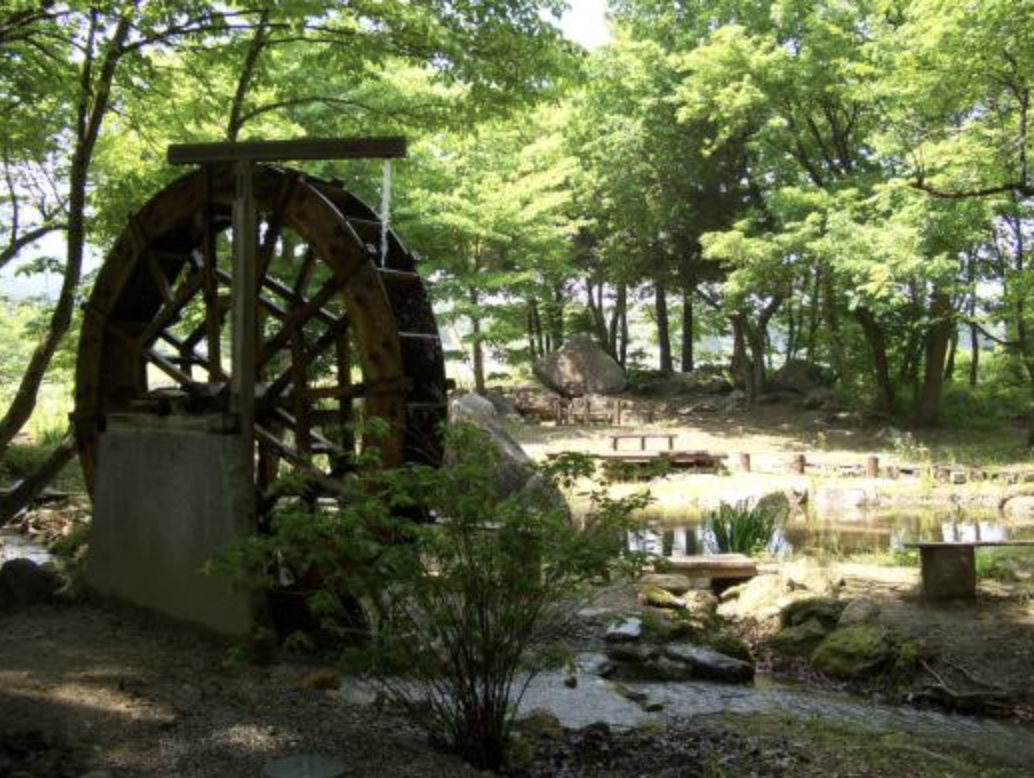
(720, 566)
(949, 570)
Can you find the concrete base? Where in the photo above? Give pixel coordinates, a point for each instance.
(949, 572)
(171, 493)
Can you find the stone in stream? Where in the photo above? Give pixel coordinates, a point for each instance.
(853, 652)
(707, 665)
(627, 630)
(27, 583)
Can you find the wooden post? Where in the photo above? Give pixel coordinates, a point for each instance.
(872, 467)
(243, 297)
(744, 462)
(799, 464)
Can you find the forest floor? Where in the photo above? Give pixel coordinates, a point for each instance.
(89, 691)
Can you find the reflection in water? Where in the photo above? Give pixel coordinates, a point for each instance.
(875, 532)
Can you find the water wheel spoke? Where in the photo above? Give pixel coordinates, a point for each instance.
(320, 478)
(302, 313)
(301, 281)
(168, 313)
(330, 336)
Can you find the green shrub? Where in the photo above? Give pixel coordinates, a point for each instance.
(744, 529)
(459, 611)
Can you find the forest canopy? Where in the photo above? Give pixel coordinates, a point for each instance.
(740, 182)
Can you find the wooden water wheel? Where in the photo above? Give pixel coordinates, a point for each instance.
(345, 330)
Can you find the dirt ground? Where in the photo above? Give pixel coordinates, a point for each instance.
(87, 692)
(91, 689)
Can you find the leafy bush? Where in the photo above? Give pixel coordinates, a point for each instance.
(744, 529)
(460, 610)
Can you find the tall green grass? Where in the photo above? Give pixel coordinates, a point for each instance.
(743, 528)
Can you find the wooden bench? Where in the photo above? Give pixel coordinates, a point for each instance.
(949, 569)
(642, 437)
(721, 566)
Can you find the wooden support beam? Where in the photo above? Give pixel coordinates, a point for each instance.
(245, 282)
(283, 150)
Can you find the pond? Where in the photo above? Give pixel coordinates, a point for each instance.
(832, 535)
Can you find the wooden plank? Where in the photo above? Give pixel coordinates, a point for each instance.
(282, 150)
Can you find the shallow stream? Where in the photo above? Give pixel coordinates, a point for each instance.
(595, 699)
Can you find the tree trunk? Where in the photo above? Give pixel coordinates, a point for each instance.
(614, 328)
(477, 351)
(953, 347)
(530, 327)
(663, 328)
(974, 354)
(94, 98)
(876, 338)
(555, 318)
(832, 316)
(27, 490)
(741, 366)
(687, 330)
(813, 316)
(937, 340)
(598, 319)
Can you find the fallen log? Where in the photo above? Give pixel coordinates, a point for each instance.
(25, 492)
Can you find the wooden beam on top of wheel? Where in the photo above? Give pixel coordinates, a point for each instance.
(287, 150)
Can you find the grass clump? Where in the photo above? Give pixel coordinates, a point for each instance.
(743, 528)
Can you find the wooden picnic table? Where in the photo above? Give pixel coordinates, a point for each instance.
(642, 437)
(949, 569)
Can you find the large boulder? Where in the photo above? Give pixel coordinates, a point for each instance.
(580, 367)
(799, 376)
(515, 471)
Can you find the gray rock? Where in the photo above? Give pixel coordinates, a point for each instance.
(27, 583)
(801, 639)
(819, 399)
(503, 405)
(580, 367)
(734, 400)
(826, 610)
(1020, 506)
(515, 471)
(853, 652)
(628, 630)
(860, 611)
(708, 665)
(670, 582)
(799, 376)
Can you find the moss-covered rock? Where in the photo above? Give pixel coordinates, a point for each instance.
(853, 652)
(656, 597)
(825, 610)
(801, 639)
